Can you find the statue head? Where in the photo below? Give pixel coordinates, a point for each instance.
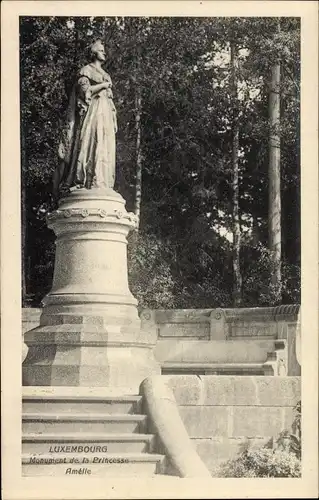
(97, 51)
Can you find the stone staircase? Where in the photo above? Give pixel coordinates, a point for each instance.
(102, 436)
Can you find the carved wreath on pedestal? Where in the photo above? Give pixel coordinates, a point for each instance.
(84, 213)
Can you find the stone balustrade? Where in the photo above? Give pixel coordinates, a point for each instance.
(219, 324)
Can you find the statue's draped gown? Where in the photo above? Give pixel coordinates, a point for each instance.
(88, 144)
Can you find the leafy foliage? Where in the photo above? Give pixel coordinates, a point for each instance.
(291, 441)
(281, 459)
(258, 289)
(150, 275)
(264, 462)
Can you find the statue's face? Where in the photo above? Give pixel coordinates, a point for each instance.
(100, 53)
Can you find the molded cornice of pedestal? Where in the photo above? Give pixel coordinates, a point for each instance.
(67, 297)
(92, 194)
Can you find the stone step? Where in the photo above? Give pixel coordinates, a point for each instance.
(115, 443)
(201, 368)
(82, 404)
(101, 465)
(98, 422)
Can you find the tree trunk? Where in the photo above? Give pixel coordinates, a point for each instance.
(24, 256)
(237, 287)
(274, 211)
(138, 154)
(138, 151)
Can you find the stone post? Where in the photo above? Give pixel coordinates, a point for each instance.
(218, 326)
(89, 333)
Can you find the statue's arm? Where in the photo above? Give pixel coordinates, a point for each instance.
(87, 90)
(99, 86)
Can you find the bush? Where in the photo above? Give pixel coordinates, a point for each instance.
(263, 462)
(149, 271)
(292, 441)
(257, 271)
(283, 459)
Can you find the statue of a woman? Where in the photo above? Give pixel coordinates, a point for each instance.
(87, 148)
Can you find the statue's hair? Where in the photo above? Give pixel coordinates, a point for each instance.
(94, 47)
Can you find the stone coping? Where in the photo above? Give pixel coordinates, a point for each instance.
(275, 313)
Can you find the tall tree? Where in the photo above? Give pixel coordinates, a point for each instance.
(237, 286)
(274, 208)
(138, 129)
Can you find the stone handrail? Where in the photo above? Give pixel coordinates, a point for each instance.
(166, 423)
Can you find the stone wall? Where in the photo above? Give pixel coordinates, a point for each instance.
(225, 414)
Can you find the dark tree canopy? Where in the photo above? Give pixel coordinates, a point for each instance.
(181, 256)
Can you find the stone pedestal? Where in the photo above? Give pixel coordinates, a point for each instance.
(89, 333)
